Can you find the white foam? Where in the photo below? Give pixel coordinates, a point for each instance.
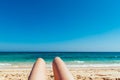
(5, 64)
(95, 65)
(78, 61)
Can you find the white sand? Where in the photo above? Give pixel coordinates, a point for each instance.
(110, 73)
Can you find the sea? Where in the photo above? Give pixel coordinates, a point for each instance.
(71, 59)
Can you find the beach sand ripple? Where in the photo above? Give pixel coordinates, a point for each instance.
(78, 73)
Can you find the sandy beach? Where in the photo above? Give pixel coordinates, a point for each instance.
(107, 73)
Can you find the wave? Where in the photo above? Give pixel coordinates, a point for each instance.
(76, 61)
(94, 65)
(68, 65)
(5, 64)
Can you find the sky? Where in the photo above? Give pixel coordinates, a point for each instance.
(59, 25)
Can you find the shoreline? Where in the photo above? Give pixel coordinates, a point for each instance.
(48, 67)
(20, 64)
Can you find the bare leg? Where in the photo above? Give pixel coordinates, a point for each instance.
(38, 71)
(60, 70)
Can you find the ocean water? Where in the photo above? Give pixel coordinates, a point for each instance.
(72, 59)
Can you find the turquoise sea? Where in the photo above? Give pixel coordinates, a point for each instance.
(72, 59)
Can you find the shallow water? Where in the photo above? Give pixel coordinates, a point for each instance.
(72, 59)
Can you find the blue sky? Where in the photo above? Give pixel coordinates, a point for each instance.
(59, 25)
